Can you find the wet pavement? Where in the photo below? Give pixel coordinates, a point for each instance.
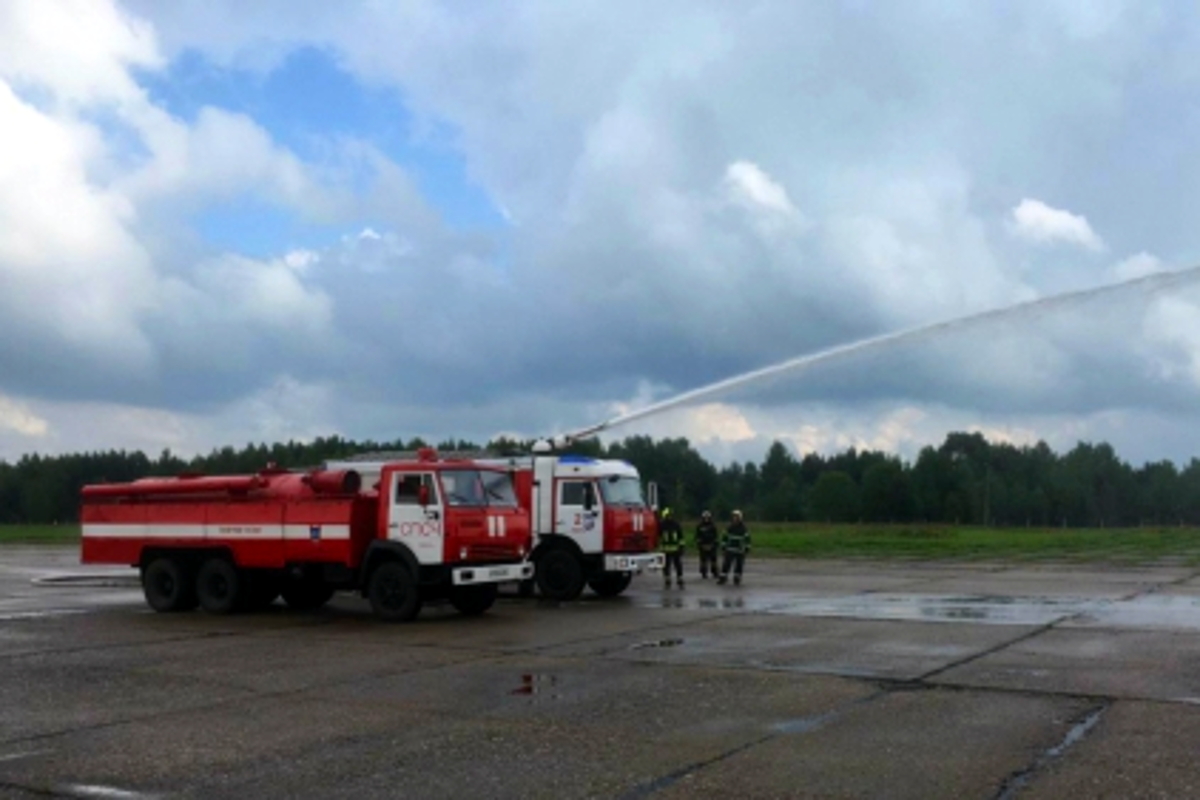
(814, 679)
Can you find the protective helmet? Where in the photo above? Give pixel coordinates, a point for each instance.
(706, 514)
(737, 513)
(666, 512)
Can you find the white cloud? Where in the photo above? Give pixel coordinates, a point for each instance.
(1137, 266)
(750, 185)
(217, 157)
(705, 425)
(70, 270)
(1174, 325)
(16, 417)
(81, 50)
(1037, 222)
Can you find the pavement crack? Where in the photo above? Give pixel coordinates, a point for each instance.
(1083, 725)
(1038, 631)
(650, 787)
(794, 727)
(1155, 588)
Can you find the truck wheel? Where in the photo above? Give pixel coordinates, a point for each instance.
(473, 600)
(219, 586)
(559, 575)
(166, 586)
(306, 595)
(393, 592)
(611, 584)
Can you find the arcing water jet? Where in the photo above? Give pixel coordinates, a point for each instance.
(1157, 282)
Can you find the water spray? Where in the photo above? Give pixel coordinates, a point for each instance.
(1156, 282)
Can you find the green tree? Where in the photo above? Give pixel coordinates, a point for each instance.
(887, 494)
(834, 498)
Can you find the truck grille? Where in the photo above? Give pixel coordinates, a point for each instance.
(633, 543)
(493, 552)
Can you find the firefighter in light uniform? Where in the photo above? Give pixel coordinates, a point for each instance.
(670, 540)
(736, 544)
(706, 543)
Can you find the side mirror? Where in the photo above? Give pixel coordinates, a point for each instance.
(423, 495)
(652, 495)
(589, 498)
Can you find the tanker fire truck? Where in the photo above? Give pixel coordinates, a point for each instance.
(431, 529)
(592, 524)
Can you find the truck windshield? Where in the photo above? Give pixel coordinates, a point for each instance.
(622, 491)
(473, 487)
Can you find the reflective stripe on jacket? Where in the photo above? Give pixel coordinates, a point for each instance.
(737, 538)
(670, 536)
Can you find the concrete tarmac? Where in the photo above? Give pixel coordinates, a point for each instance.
(811, 680)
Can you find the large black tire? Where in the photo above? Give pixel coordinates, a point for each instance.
(559, 575)
(219, 586)
(394, 593)
(167, 586)
(306, 594)
(473, 600)
(610, 584)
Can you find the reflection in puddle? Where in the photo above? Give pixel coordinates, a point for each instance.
(706, 603)
(1002, 610)
(724, 602)
(659, 643)
(534, 684)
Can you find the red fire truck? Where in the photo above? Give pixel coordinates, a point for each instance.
(593, 525)
(430, 529)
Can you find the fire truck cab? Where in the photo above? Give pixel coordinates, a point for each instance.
(592, 523)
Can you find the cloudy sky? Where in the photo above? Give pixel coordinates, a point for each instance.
(224, 222)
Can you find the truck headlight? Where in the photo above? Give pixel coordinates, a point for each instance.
(462, 554)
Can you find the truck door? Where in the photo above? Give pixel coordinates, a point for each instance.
(579, 514)
(417, 515)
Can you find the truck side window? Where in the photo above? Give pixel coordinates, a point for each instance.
(574, 493)
(408, 489)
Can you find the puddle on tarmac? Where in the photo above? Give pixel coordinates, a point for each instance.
(105, 580)
(1147, 611)
(698, 602)
(724, 602)
(803, 724)
(999, 610)
(535, 684)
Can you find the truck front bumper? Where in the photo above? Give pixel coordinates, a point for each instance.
(491, 573)
(633, 562)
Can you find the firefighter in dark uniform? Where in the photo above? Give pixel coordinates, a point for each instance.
(736, 544)
(706, 543)
(670, 540)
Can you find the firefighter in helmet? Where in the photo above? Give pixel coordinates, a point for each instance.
(736, 544)
(670, 540)
(706, 544)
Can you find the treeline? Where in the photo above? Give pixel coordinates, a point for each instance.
(966, 480)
